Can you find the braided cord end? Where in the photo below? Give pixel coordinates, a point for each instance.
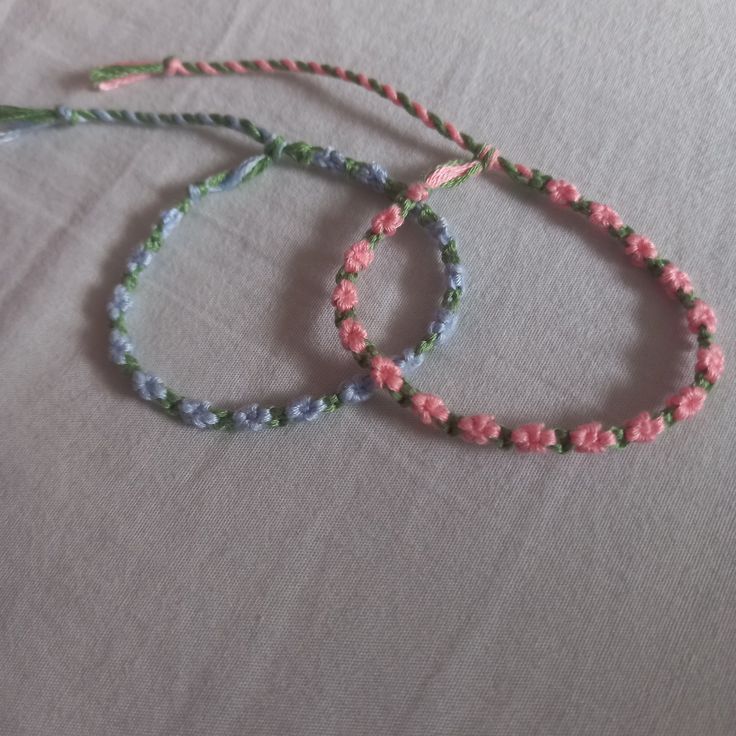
(453, 173)
(105, 78)
(15, 121)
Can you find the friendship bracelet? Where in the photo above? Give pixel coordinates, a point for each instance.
(149, 387)
(481, 429)
(589, 437)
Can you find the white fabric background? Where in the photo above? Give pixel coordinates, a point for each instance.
(363, 575)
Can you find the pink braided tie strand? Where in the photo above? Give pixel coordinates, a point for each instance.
(173, 66)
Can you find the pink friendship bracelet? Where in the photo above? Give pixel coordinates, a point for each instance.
(480, 429)
(589, 437)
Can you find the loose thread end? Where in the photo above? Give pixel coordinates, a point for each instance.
(16, 121)
(106, 78)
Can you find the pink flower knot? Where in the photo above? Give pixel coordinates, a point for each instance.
(359, 256)
(417, 192)
(603, 216)
(673, 280)
(344, 296)
(479, 428)
(591, 437)
(711, 362)
(386, 374)
(533, 438)
(562, 192)
(352, 335)
(701, 314)
(638, 248)
(643, 428)
(525, 171)
(429, 407)
(687, 402)
(388, 221)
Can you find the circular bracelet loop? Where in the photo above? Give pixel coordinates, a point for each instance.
(590, 437)
(254, 416)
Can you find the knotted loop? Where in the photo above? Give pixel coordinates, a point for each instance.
(488, 156)
(274, 148)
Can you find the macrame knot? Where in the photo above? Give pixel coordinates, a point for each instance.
(488, 156)
(275, 147)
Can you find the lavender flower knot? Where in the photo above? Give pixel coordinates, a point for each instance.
(197, 413)
(455, 275)
(374, 175)
(119, 346)
(440, 231)
(119, 303)
(171, 218)
(358, 389)
(195, 194)
(304, 409)
(443, 325)
(139, 259)
(253, 417)
(148, 386)
(409, 360)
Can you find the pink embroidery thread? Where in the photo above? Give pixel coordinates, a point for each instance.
(344, 296)
(353, 335)
(639, 248)
(711, 362)
(360, 255)
(533, 438)
(479, 429)
(674, 280)
(561, 191)
(591, 437)
(386, 374)
(417, 192)
(700, 314)
(430, 407)
(603, 216)
(687, 402)
(643, 428)
(388, 221)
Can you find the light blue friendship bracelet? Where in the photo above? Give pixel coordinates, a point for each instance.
(15, 122)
